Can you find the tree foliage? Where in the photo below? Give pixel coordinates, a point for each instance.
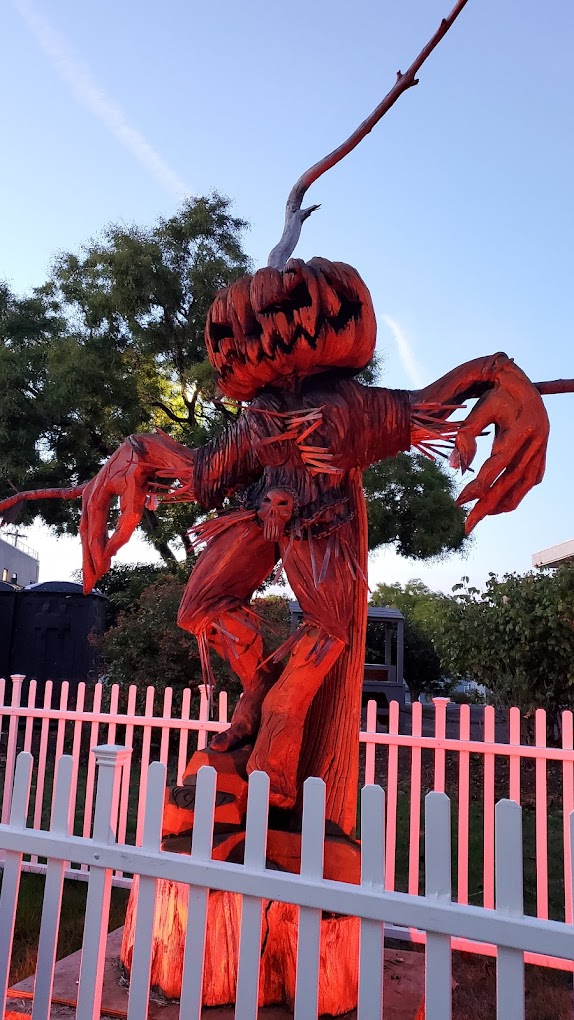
(423, 610)
(516, 637)
(113, 344)
(411, 504)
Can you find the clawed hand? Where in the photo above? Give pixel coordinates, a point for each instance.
(125, 475)
(516, 463)
(134, 473)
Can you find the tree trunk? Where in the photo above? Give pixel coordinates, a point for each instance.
(150, 525)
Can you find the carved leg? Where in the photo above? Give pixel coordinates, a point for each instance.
(327, 614)
(278, 746)
(215, 608)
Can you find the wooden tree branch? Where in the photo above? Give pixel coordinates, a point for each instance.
(169, 413)
(556, 386)
(295, 216)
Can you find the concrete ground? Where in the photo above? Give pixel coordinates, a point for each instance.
(403, 990)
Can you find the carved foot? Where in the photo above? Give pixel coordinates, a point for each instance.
(244, 724)
(230, 799)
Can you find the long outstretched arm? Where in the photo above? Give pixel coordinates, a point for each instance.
(505, 398)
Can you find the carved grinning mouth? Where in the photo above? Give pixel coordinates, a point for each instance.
(300, 298)
(277, 326)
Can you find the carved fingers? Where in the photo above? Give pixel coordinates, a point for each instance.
(123, 475)
(517, 460)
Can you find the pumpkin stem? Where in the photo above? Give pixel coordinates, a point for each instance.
(295, 216)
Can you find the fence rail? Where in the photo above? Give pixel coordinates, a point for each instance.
(475, 773)
(506, 927)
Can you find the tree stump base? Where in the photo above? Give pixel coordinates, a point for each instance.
(339, 948)
(339, 951)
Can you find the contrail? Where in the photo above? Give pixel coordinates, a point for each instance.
(93, 98)
(406, 354)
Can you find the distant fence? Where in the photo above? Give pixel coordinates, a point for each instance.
(474, 773)
(513, 935)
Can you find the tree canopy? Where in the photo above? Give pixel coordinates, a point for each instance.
(516, 637)
(113, 343)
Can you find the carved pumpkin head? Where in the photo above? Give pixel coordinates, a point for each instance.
(275, 328)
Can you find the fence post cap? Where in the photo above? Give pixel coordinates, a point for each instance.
(17, 677)
(441, 701)
(111, 754)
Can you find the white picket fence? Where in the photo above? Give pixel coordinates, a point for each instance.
(435, 913)
(73, 721)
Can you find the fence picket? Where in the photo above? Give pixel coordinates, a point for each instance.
(371, 727)
(509, 900)
(29, 727)
(392, 791)
(489, 799)
(12, 869)
(183, 735)
(308, 944)
(201, 844)
(112, 725)
(146, 745)
(463, 821)
(514, 767)
(91, 776)
(438, 887)
(222, 706)
(203, 716)
(138, 998)
(251, 907)
(126, 776)
(567, 808)
(76, 750)
(11, 747)
(110, 759)
(415, 805)
(41, 764)
(48, 940)
(166, 714)
(60, 731)
(440, 705)
(371, 949)
(541, 815)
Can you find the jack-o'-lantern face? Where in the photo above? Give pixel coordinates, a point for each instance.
(274, 328)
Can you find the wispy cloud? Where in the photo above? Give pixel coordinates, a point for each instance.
(88, 93)
(408, 358)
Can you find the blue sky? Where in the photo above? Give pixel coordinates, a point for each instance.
(457, 209)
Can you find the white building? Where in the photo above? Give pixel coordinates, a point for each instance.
(19, 564)
(555, 556)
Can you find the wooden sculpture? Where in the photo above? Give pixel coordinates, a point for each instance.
(283, 486)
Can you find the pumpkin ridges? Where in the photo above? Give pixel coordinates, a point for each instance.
(275, 327)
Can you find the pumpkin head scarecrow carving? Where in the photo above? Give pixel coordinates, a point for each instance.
(285, 482)
(284, 485)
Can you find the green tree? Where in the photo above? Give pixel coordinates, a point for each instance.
(411, 504)
(113, 344)
(423, 610)
(516, 637)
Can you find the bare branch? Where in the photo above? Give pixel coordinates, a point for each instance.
(170, 414)
(556, 386)
(295, 216)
